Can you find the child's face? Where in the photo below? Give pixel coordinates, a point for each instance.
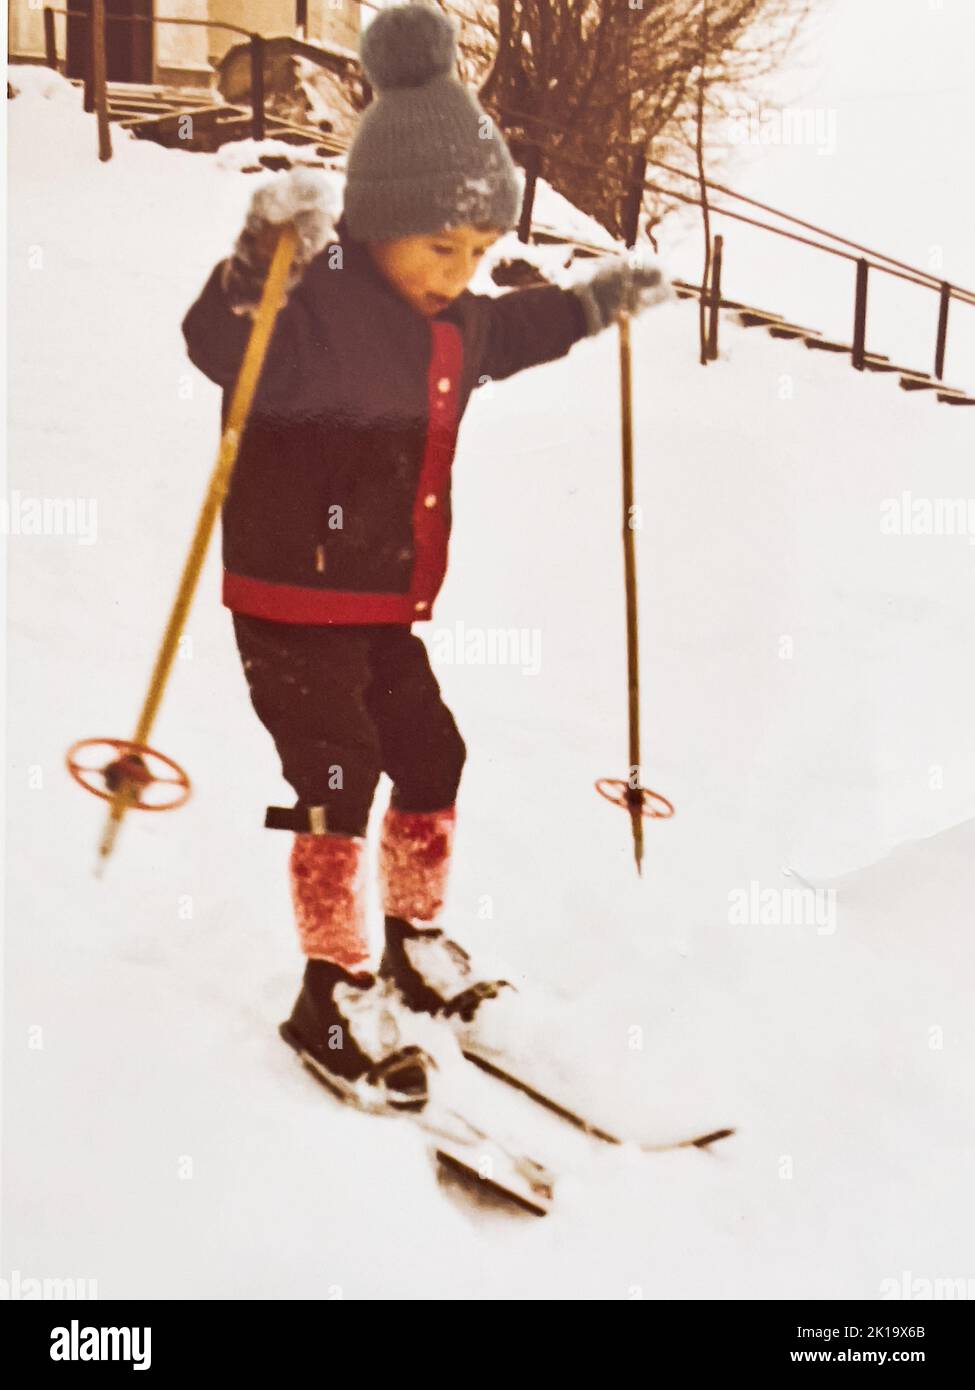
(431, 270)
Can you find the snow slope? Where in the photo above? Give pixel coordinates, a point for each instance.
(808, 683)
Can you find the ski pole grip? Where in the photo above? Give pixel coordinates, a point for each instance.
(260, 335)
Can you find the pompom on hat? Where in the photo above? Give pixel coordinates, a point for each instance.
(426, 155)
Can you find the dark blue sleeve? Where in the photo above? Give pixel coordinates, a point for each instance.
(525, 328)
(216, 338)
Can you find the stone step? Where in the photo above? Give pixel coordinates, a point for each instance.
(876, 363)
(821, 344)
(792, 330)
(759, 318)
(918, 381)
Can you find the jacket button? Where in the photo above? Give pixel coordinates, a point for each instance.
(430, 500)
(421, 607)
(443, 385)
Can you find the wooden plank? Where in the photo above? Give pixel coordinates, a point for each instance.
(875, 362)
(792, 330)
(759, 318)
(912, 382)
(279, 129)
(827, 345)
(207, 117)
(147, 91)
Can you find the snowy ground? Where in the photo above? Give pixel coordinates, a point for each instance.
(808, 686)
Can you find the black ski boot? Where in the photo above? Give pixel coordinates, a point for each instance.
(432, 973)
(341, 1028)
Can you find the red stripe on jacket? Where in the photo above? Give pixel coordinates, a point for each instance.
(294, 603)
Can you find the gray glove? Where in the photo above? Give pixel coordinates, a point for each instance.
(307, 200)
(624, 286)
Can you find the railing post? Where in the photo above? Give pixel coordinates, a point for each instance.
(715, 298)
(257, 86)
(89, 89)
(98, 70)
(50, 39)
(939, 352)
(860, 315)
(634, 194)
(533, 165)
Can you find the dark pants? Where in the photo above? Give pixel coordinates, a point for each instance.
(345, 703)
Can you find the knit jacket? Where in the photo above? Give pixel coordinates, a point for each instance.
(338, 509)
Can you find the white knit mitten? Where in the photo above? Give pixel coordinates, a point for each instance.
(302, 197)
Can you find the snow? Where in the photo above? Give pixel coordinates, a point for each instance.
(34, 81)
(807, 694)
(243, 155)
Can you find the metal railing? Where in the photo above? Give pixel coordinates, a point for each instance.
(632, 188)
(864, 258)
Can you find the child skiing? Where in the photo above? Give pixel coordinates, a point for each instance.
(336, 523)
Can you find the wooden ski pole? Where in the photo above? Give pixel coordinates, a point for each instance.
(640, 801)
(634, 793)
(247, 379)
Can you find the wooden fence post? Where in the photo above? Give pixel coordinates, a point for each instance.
(715, 298)
(88, 101)
(257, 86)
(50, 39)
(633, 200)
(96, 31)
(860, 315)
(533, 166)
(939, 351)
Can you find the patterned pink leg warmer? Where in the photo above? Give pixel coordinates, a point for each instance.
(414, 860)
(327, 892)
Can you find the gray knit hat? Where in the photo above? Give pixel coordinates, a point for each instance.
(426, 156)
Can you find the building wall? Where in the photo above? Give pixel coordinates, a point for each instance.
(181, 47)
(189, 49)
(335, 20)
(262, 16)
(25, 30)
